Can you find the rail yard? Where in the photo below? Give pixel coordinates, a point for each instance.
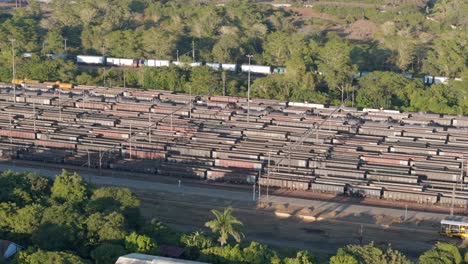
(376, 153)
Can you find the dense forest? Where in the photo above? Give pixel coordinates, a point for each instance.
(67, 220)
(322, 46)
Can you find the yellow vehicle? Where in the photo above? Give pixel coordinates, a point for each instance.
(454, 228)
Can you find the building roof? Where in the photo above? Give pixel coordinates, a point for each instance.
(137, 258)
(8, 248)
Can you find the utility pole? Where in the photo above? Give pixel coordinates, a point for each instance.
(190, 97)
(248, 91)
(13, 66)
(125, 85)
(223, 76)
(268, 175)
(130, 141)
(149, 128)
(34, 113)
(253, 192)
(454, 186)
(104, 76)
(65, 44)
(60, 107)
(177, 55)
(9, 121)
(193, 50)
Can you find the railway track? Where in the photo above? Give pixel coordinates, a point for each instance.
(247, 189)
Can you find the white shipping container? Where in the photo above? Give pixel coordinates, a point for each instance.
(262, 69)
(90, 59)
(162, 63)
(178, 63)
(195, 64)
(229, 67)
(119, 62)
(306, 104)
(214, 65)
(442, 80)
(428, 79)
(157, 63)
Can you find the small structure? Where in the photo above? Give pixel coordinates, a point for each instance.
(8, 248)
(136, 258)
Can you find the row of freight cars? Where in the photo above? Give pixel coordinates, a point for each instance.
(257, 69)
(403, 153)
(108, 61)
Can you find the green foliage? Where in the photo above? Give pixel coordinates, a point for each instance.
(386, 90)
(226, 225)
(368, 254)
(254, 253)
(109, 199)
(161, 232)
(22, 188)
(107, 253)
(302, 257)
(336, 66)
(343, 259)
(442, 253)
(27, 219)
(195, 242)
(447, 57)
(222, 255)
(140, 243)
(204, 80)
(69, 187)
(41, 257)
(105, 228)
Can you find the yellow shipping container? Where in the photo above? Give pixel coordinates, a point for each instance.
(66, 85)
(17, 81)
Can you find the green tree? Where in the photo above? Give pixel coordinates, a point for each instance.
(140, 243)
(442, 253)
(335, 65)
(102, 228)
(368, 254)
(107, 253)
(302, 257)
(27, 219)
(109, 199)
(343, 259)
(226, 225)
(69, 187)
(195, 242)
(53, 42)
(41, 257)
(257, 253)
(386, 90)
(204, 80)
(447, 56)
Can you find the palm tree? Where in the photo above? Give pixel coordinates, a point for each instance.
(225, 224)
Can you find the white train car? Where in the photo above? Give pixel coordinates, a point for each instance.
(229, 67)
(85, 59)
(261, 69)
(157, 63)
(119, 62)
(214, 65)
